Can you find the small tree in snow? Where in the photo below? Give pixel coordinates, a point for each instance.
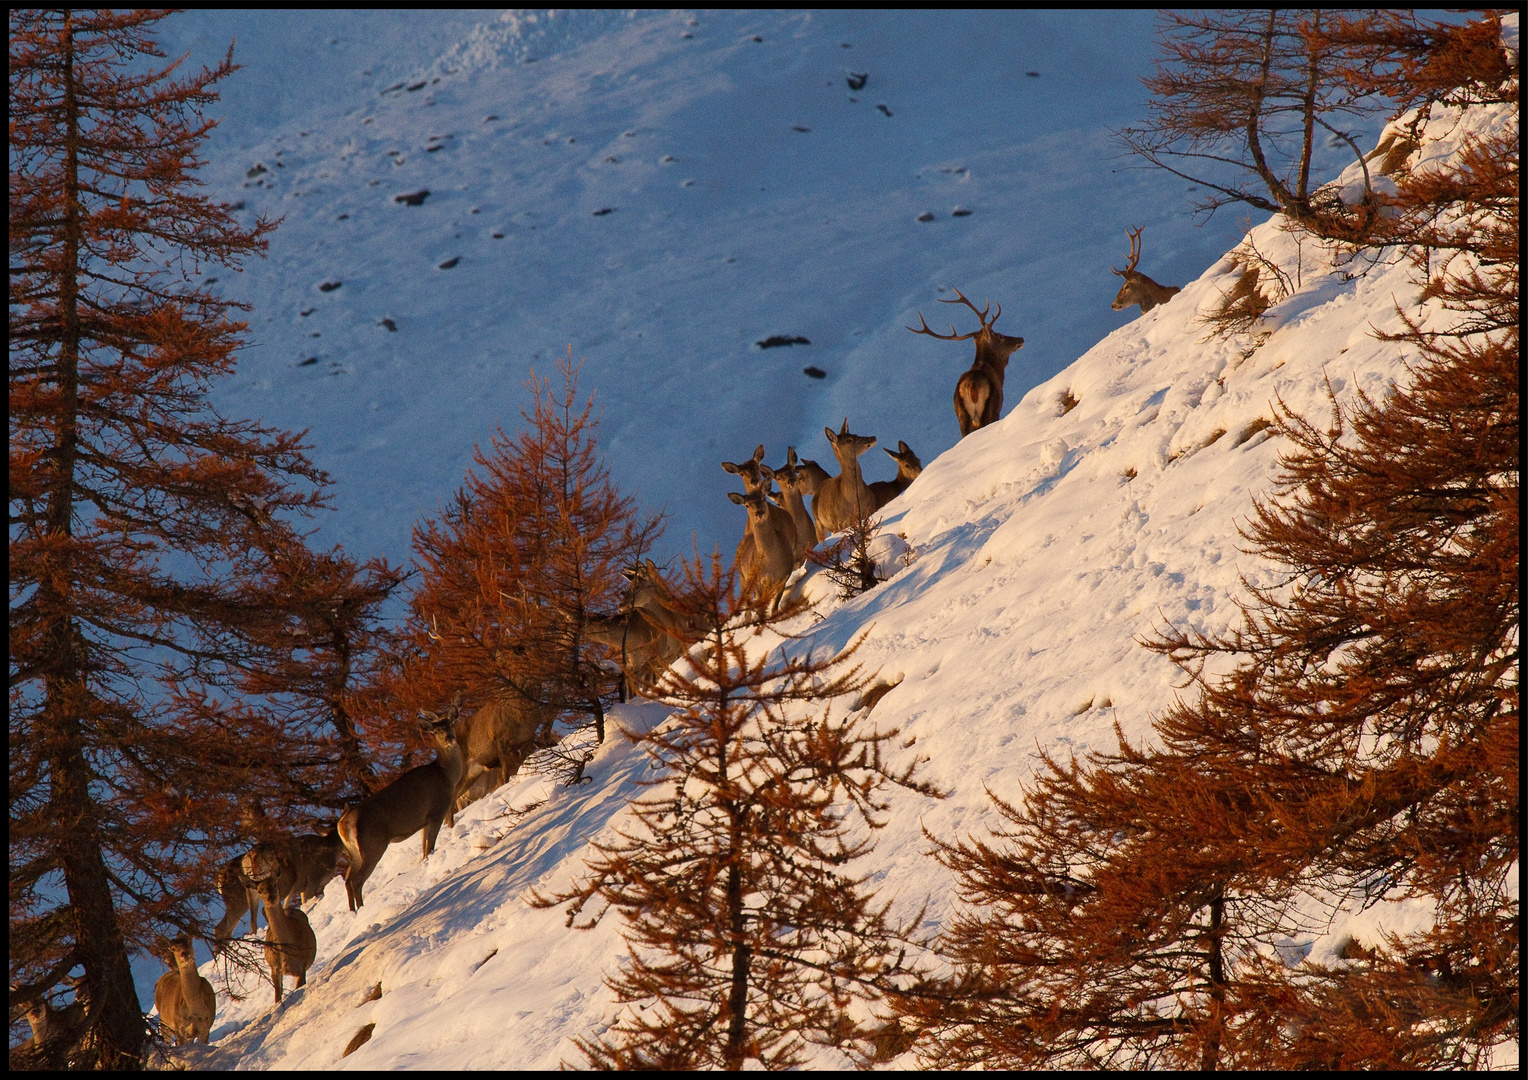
(747, 931)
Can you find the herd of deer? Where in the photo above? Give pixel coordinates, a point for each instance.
(648, 633)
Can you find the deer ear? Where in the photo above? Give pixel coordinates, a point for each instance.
(832, 438)
(729, 466)
(758, 455)
(890, 452)
(735, 497)
(903, 447)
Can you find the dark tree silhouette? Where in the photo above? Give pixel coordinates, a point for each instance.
(141, 521)
(748, 932)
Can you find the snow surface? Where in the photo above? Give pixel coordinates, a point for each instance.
(1043, 548)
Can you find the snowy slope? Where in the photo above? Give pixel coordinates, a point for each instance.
(727, 225)
(1045, 546)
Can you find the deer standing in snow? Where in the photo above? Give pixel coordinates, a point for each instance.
(908, 468)
(418, 801)
(796, 484)
(757, 477)
(290, 946)
(1138, 288)
(979, 392)
(773, 544)
(186, 1002)
(843, 500)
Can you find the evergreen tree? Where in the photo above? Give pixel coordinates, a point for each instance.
(1363, 750)
(748, 933)
(320, 644)
(535, 540)
(139, 517)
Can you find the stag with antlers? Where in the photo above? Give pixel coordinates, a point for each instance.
(1138, 288)
(979, 393)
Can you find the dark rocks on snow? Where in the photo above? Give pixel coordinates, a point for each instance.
(309, 362)
(413, 198)
(857, 81)
(449, 263)
(884, 109)
(392, 326)
(960, 211)
(814, 372)
(330, 286)
(604, 210)
(256, 171)
(925, 216)
(781, 339)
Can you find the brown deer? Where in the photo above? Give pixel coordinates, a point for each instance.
(979, 392)
(315, 860)
(651, 631)
(841, 501)
(796, 484)
(908, 468)
(418, 801)
(239, 899)
(498, 737)
(301, 866)
(773, 545)
(1138, 288)
(56, 1033)
(815, 474)
(290, 947)
(186, 1002)
(757, 476)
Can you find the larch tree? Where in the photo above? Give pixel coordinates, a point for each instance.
(141, 520)
(322, 642)
(1362, 751)
(535, 540)
(1241, 104)
(750, 935)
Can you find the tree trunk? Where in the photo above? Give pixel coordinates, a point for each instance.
(113, 1000)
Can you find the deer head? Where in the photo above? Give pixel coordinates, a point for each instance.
(992, 349)
(979, 392)
(1138, 288)
(749, 470)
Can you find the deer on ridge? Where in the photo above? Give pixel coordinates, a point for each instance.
(649, 632)
(796, 483)
(498, 737)
(290, 946)
(299, 865)
(773, 545)
(979, 392)
(1138, 288)
(757, 476)
(239, 899)
(843, 500)
(186, 1002)
(908, 469)
(418, 801)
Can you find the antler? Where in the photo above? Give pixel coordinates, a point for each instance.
(952, 336)
(1135, 251)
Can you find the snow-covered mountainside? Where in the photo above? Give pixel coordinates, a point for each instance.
(1043, 548)
(661, 192)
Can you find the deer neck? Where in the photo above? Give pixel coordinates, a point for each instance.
(452, 761)
(849, 468)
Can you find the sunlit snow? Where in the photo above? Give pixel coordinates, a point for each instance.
(1043, 548)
